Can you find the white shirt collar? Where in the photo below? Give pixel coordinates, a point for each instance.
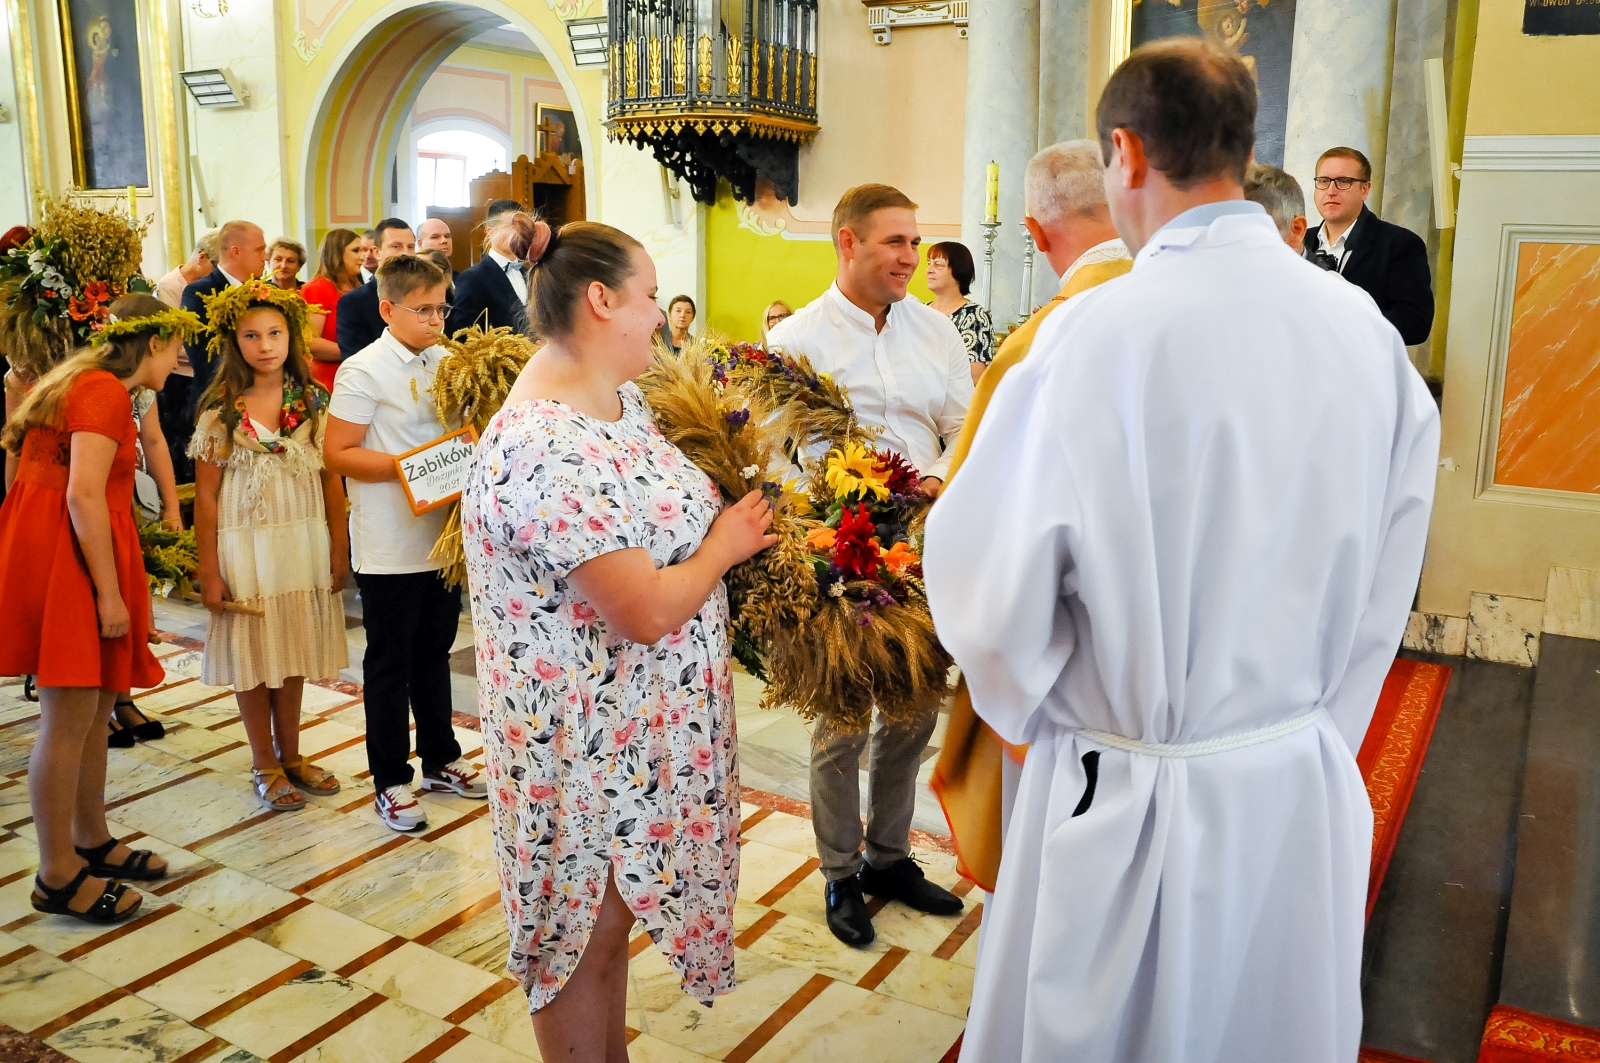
(1333, 246)
(506, 261)
(1105, 251)
(853, 313)
(233, 282)
(405, 353)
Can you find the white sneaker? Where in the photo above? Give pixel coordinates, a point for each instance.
(398, 808)
(459, 777)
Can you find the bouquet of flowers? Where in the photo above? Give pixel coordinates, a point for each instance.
(834, 616)
(171, 559)
(57, 286)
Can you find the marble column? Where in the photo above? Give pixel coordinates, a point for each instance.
(1420, 33)
(1063, 98)
(1339, 86)
(1003, 126)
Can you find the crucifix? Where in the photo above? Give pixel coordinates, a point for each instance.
(550, 137)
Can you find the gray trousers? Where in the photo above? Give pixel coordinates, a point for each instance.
(891, 794)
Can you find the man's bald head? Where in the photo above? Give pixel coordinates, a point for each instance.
(435, 234)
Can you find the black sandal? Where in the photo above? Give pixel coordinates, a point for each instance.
(30, 688)
(136, 869)
(143, 727)
(103, 912)
(118, 736)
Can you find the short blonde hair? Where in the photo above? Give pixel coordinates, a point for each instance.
(232, 232)
(861, 202)
(286, 244)
(1065, 180)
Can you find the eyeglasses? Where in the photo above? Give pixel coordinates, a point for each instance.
(427, 312)
(1343, 184)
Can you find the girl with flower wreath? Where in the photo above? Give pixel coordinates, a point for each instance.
(73, 592)
(269, 525)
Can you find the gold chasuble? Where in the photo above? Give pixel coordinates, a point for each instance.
(967, 777)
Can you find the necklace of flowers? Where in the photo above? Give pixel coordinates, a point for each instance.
(293, 416)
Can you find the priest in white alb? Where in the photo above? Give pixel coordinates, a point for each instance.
(1178, 563)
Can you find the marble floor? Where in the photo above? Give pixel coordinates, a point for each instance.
(322, 936)
(774, 745)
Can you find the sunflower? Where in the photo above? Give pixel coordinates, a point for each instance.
(855, 470)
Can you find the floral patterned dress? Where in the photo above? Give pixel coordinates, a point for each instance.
(600, 751)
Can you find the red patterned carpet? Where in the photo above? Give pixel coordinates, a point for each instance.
(1391, 755)
(1517, 1036)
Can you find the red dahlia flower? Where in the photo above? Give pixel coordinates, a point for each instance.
(903, 479)
(854, 549)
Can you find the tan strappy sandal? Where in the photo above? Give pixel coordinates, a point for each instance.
(275, 797)
(313, 780)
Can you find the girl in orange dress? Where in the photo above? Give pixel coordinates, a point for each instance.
(73, 593)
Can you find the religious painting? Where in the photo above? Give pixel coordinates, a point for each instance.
(105, 92)
(1260, 31)
(564, 139)
(1560, 18)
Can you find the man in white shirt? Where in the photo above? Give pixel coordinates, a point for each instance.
(906, 371)
(1177, 563)
(383, 406)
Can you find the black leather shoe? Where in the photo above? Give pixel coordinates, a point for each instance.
(904, 881)
(847, 913)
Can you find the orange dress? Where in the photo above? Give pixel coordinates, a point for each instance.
(46, 595)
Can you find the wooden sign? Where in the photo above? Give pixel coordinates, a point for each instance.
(433, 474)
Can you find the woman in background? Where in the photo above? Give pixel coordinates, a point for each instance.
(777, 311)
(680, 315)
(285, 259)
(338, 271)
(950, 273)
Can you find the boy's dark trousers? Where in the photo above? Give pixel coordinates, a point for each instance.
(411, 620)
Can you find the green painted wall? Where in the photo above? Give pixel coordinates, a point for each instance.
(745, 272)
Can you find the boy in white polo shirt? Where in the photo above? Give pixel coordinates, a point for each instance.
(383, 406)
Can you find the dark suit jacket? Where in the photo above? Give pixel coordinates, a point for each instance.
(1390, 264)
(483, 289)
(204, 370)
(358, 323)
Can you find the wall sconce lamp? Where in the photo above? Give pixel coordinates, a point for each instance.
(215, 88)
(589, 40)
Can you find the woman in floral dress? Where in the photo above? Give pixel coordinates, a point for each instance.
(595, 554)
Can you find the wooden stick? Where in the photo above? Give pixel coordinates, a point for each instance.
(228, 606)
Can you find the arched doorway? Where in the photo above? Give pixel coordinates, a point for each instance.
(361, 106)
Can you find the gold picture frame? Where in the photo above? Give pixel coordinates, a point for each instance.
(569, 122)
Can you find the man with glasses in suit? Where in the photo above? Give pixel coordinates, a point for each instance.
(1386, 261)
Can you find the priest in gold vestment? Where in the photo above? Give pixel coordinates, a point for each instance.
(1064, 191)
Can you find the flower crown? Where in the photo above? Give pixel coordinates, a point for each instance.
(226, 307)
(164, 324)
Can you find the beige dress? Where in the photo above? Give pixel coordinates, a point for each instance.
(273, 547)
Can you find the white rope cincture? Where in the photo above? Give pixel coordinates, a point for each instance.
(1224, 744)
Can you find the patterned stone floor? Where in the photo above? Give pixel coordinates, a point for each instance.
(322, 936)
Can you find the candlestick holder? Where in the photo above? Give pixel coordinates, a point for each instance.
(1026, 307)
(991, 229)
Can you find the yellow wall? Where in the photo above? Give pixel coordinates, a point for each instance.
(520, 120)
(1531, 86)
(304, 80)
(745, 272)
(1508, 508)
